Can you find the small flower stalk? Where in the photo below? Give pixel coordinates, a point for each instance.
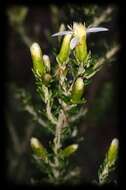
(38, 64)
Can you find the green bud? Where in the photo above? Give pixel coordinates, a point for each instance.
(109, 162)
(47, 62)
(77, 91)
(38, 64)
(63, 55)
(81, 48)
(38, 149)
(47, 78)
(69, 150)
(113, 152)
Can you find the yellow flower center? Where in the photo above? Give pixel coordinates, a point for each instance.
(79, 30)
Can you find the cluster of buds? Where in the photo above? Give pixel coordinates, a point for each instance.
(74, 39)
(41, 63)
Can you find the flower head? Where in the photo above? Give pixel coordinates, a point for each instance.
(78, 38)
(79, 30)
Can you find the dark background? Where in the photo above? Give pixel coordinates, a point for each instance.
(101, 124)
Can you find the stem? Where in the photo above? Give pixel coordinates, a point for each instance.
(31, 111)
(47, 97)
(108, 56)
(59, 125)
(49, 113)
(57, 146)
(25, 38)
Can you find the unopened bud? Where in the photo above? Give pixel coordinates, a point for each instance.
(38, 64)
(113, 151)
(77, 91)
(47, 78)
(69, 150)
(109, 162)
(81, 48)
(63, 55)
(38, 149)
(47, 62)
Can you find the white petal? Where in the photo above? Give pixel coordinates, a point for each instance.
(69, 27)
(74, 42)
(62, 33)
(96, 29)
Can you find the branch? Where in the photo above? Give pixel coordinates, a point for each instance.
(49, 113)
(59, 125)
(31, 110)
(57, 145)
(25, 38)
(47, 98)
(108, 56)
(98, 20)
(14, 137)
(81, 113)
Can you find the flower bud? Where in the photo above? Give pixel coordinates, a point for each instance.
(77, 91)
(63, 55)
(47, 62)
(38, 64)
(38, 149)
(81, 48)
(109, 162)
(47, 78)
(69, 150)
(113, 152)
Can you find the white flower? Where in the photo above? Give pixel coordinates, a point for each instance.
(77, 33)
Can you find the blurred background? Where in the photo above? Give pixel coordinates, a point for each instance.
(28, 24)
